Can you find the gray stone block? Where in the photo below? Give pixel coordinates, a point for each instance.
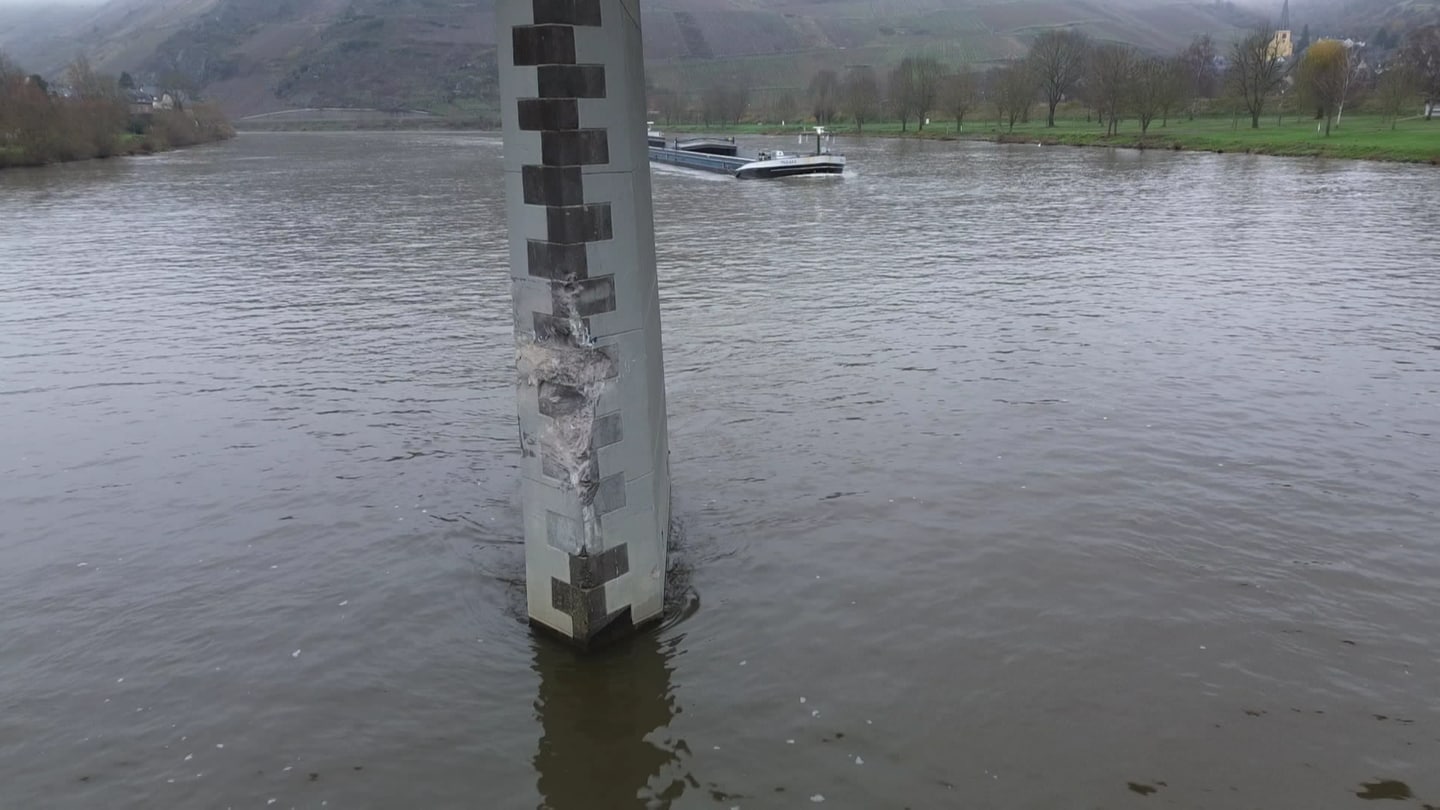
(555, 261)
(609, 430)
(611, 494)
(537, 114)
(593, 570)
(579, 223)
(543, 45)
(571, 81)
(580, 147)
(569, 12)
(553, 185)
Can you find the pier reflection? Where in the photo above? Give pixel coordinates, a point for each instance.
(598, 713)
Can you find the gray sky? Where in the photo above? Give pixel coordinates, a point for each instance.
(48, 3)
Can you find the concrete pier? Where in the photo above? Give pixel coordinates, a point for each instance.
(596, 486)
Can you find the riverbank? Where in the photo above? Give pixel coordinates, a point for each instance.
(1359, 137)
(387, 125)
(81, 139)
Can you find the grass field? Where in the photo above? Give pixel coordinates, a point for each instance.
(1360, 137)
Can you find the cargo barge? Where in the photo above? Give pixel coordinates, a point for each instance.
(721, 155)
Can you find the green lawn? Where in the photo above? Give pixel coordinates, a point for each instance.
(1364, 137)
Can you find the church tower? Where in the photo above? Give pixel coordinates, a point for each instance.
(1282, 46)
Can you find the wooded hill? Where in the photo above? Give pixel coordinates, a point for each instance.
(255, 56)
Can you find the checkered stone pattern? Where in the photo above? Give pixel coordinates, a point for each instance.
(596, 484)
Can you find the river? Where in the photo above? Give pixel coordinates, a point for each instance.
(1009, 477)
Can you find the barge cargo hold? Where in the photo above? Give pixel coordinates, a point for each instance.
(720, 156)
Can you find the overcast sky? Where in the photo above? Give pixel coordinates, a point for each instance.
(49, 3)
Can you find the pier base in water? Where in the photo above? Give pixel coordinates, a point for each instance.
(596, 476)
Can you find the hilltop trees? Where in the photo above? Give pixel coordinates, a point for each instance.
(1256, 70)
(861, 95)
(1057, 63)
(1421, 53)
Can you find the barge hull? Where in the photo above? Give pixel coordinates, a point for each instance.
(720, 164)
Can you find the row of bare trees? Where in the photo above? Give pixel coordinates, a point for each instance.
(1117, 81)
(1113, 82)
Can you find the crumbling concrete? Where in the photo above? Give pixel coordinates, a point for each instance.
(596, 478)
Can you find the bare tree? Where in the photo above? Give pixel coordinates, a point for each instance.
(88, 84)
(12, 83)
(784, 106)
(1112, 73)
(1177, 89)
(726, 101)
(861, 93)
(825, 96)
(960, 94)
(914, 89)
(1421, 53)
(1014, 92)
(928, 74)
(739, 102)
(712, 104)
(1150, 84)
(1199, 61)
(1057, 61)
(900, 94)
(1396, 88)
(1256, 70)
(669, 103)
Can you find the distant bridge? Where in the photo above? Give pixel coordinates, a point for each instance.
(336, 114)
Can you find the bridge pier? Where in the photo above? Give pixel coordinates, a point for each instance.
(595, 467)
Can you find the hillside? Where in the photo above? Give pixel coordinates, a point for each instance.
(1363, 18)
(777, 45)
(257, 56)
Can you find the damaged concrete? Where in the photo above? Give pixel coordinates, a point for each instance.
(596, 486)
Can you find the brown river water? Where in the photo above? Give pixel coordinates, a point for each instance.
(1009, 477)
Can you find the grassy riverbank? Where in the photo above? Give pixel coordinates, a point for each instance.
(1360, 137)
